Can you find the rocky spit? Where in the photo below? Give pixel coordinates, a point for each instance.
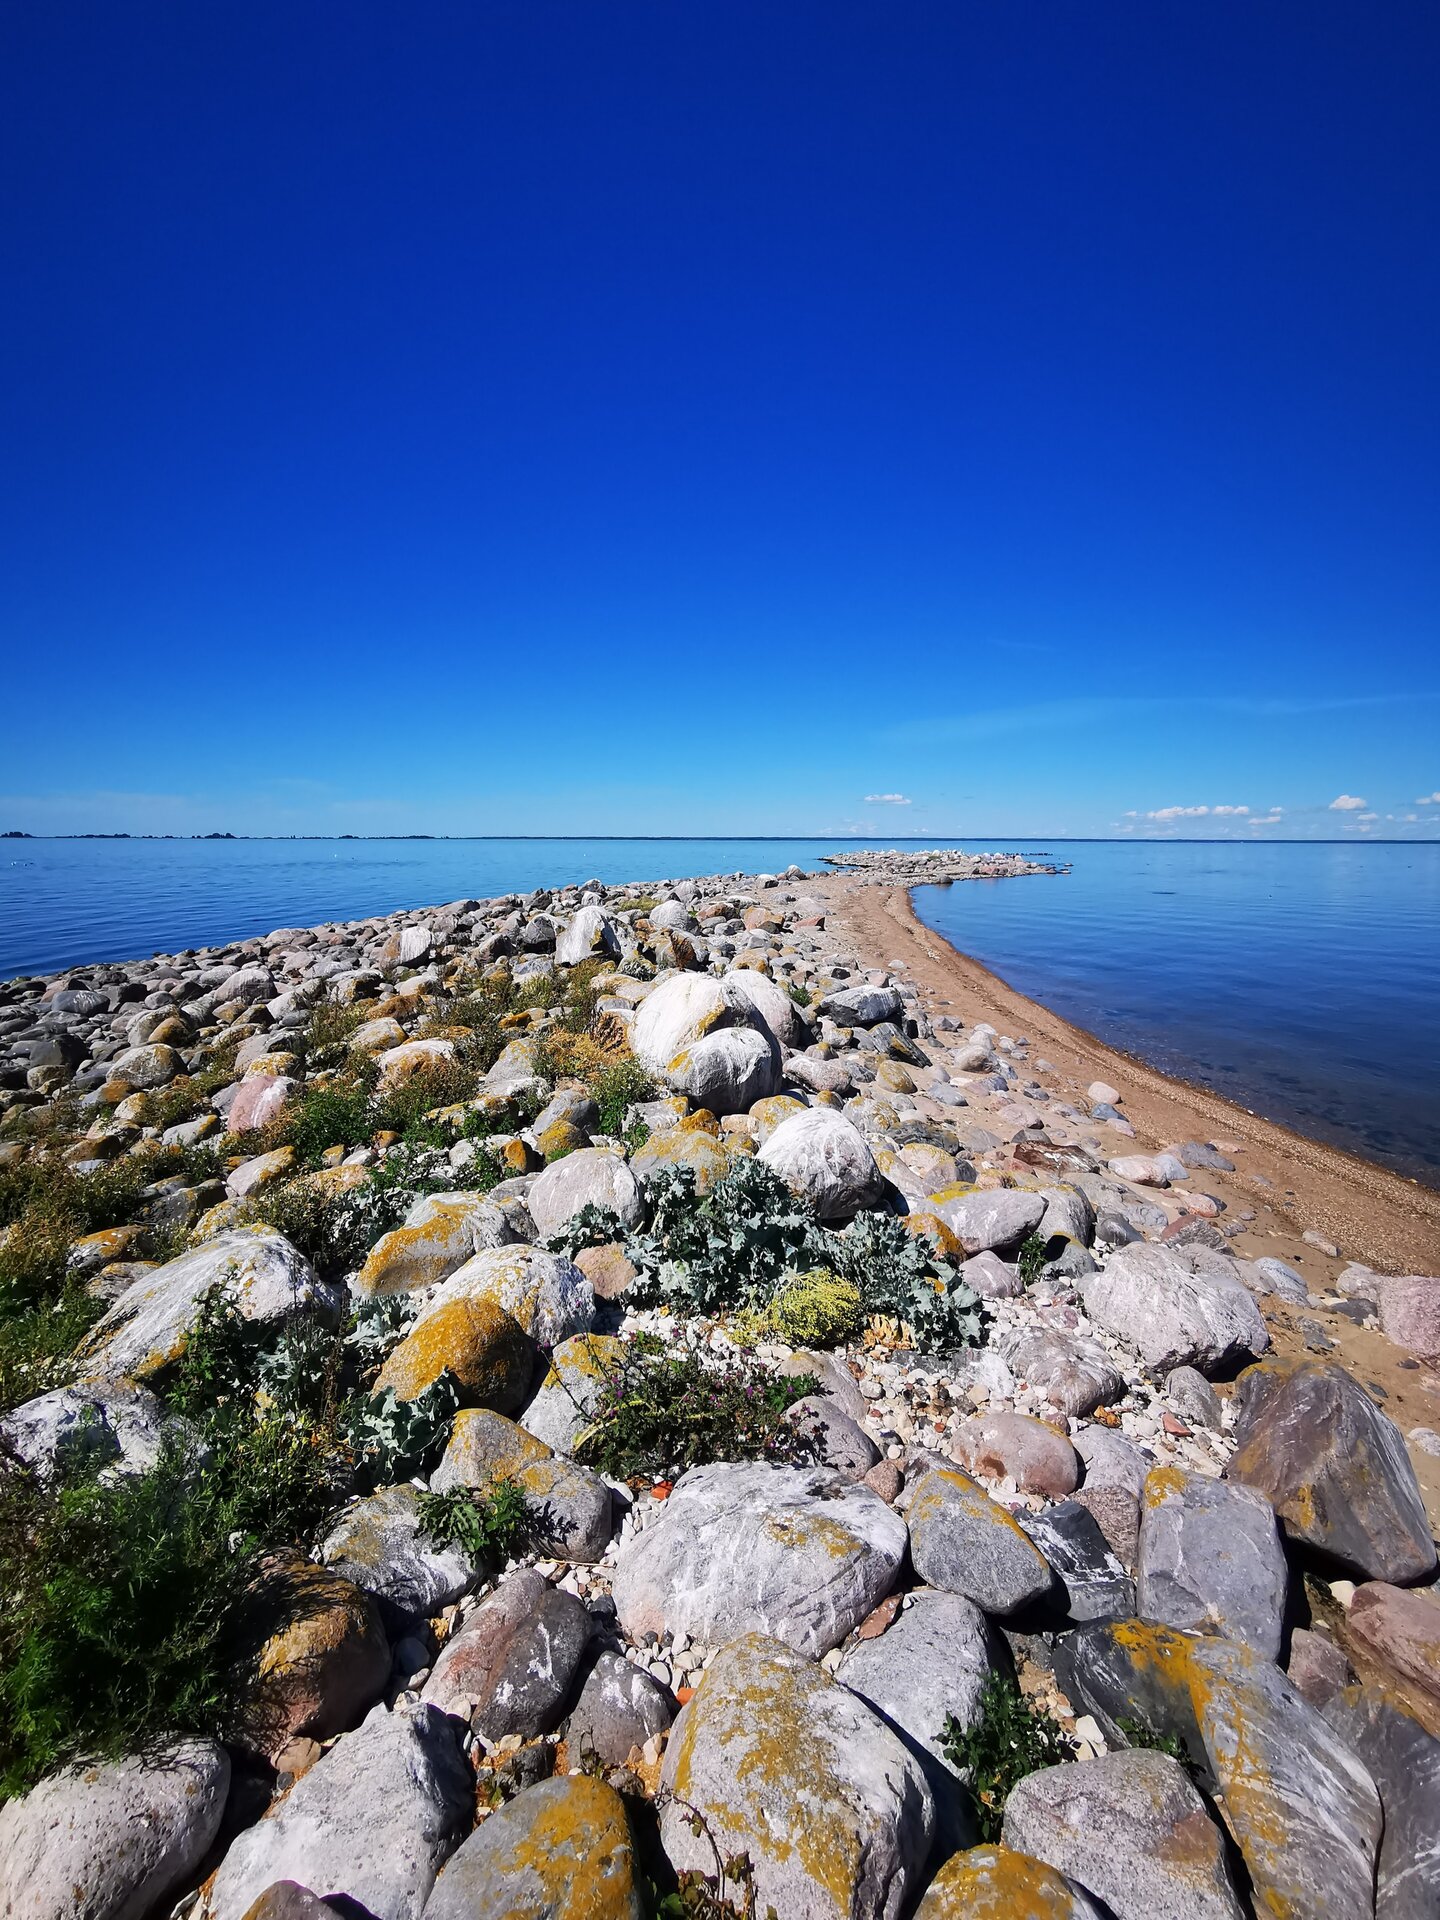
(935, 866)
(1177, 1542)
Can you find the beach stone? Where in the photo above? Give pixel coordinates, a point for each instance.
(367, 1826)
(675, 1014)
(1193, 1397)
(1150, 1297)
(546, 1293)
(145, 1330)
(1090, 1578)
(964, 1542)
(147, 1067)
(1012, 1445)
(561, 1850)
(1142, 1169)
(990, 1276)
(1210, 1559)
(1302, 1809)
(1404, 1762)
(1116, 1511)
(784, 1764)
(824, 1159)
(380, 1545)
(726, 1071)
(323, 1655)
(106, 1425)
(771, 1008)
(401, 1064)
(993, 1220)
(862, 1006)
(677, 1147)
(1132, 1831)
(1073, 1373)
(485, 1351)
(569, 1509)
(590, 933)
(1201, 1155)
(509, 1669)
(996, 1883)
(840, 1443)
(1400, 1628)
(1334, 1467)
(377, 1036)
(110, 1841)
(1316, 1668)
(607, 1269)
(791, 1552)
(562, 1408)
(262, 1097)
(620, 1707)
(591, 1176)
(1269, 1275)
(1068, 1215)
(1410, 1314)
(439, 1234)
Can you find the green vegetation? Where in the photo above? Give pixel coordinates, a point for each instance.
(616, 1087)
(1032, 1258)
(37, 1344)
(1010, 1738)
(663, 1409)
(1136, 1734)
(492, 1524)
(815, 1309)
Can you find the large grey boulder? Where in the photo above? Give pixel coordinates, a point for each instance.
(1404, 1762)
(785, 1765)
(562, 1850)
(792, 1552)
(965, 1542)
(620, 1707)
(1149, 1297)
(546, 1293)
(1210, 1559)
(1073, 1373)
(590, 934)
(109, 1842)
(862, 1006)
(823, 1157)
(1334, 1467)
(380, 1545)
(838, 1441)
(567, 1396)
(1131, 1830)
(772, 1009)
(368, 1825)
(1090, 1579)
(727, 1072)
(112, 1426)
(146, 1329)
(591, 1176)
(510, 1667)
(994, 1219)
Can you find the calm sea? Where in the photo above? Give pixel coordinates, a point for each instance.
(1300, 980)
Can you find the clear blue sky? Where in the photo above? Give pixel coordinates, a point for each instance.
(719, 415)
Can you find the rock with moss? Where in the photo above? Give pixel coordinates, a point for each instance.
(793, 1552)
(997, 1883)
(145, 1331)
(562, 1407)
(562, 1849)
(782, 1763)
(678, 1147)
(381, 1544)
(438, 1235)
(112, 1841)
(546, 1293)
(965, 1542)
(569, 1509)
(485, 1351)
(322, 1656)
(1210, 1559)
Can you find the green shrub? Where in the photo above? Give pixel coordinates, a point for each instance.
(729, 1248)
(1032, 1258)
(37, 1344)
(616, 1088)
(661, 1410)
(340, 1113)
(49, 1205)
(1010, 1738)
(393, 1439)
(902, 1278)
(489, 1524)
(816, 1309)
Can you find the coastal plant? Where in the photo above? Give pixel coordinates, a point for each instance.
(1032, 1258)
(616, 1087)
(377, 1326)
(1008, 1738)
(814, 1309)
(662, 1409)
(339, 1113)
(901, 1278)
(490, 1522)
(37, 1344)
(722, 1250)
(393, 1439)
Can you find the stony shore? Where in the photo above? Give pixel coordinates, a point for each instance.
(1122, 1433)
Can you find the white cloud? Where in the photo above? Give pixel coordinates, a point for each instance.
(1363, 818)
(1428, 800)
(1219, 810)
(1266, 820)
(887, 800)
(1347, 803)
(1192, 813)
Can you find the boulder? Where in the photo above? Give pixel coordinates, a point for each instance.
(366, 1827)
(439, 1234)
(146, 1328)
(112, 1841)
(562, 1408)
(569, 1510)
(546, 1293)
(262, 1097)
(1410, 1314)
(510, 1667)
(620, 1707)
(401, 1064)
(1334, 1468)
(1012, 1446)
(726, 1072)
(380, 1545)
(965, 1542)
(771, 1008)
(147, 1067)
(323, 1657)
(116, 1426)
(1400, 1629)
(591, 1176)
(484, 1349)
(1073, 1373)
(1150, 1297)
(996, 1883)
(1090, 1578)
(785, 1765)
(682, 1147)
(824, 1159)
(792, 1552)
(1210, 1559)
(838, 1440)
(562, 1850)
(679, 1012)
(1132, 1831)
(1404, 1762)
(590, 934)
(862, 1006)
(992, 1220)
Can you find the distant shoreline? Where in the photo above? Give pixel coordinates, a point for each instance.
(661, 839)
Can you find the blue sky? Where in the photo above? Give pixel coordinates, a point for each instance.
(629, 416)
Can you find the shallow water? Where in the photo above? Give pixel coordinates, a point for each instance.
(1301, 981)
